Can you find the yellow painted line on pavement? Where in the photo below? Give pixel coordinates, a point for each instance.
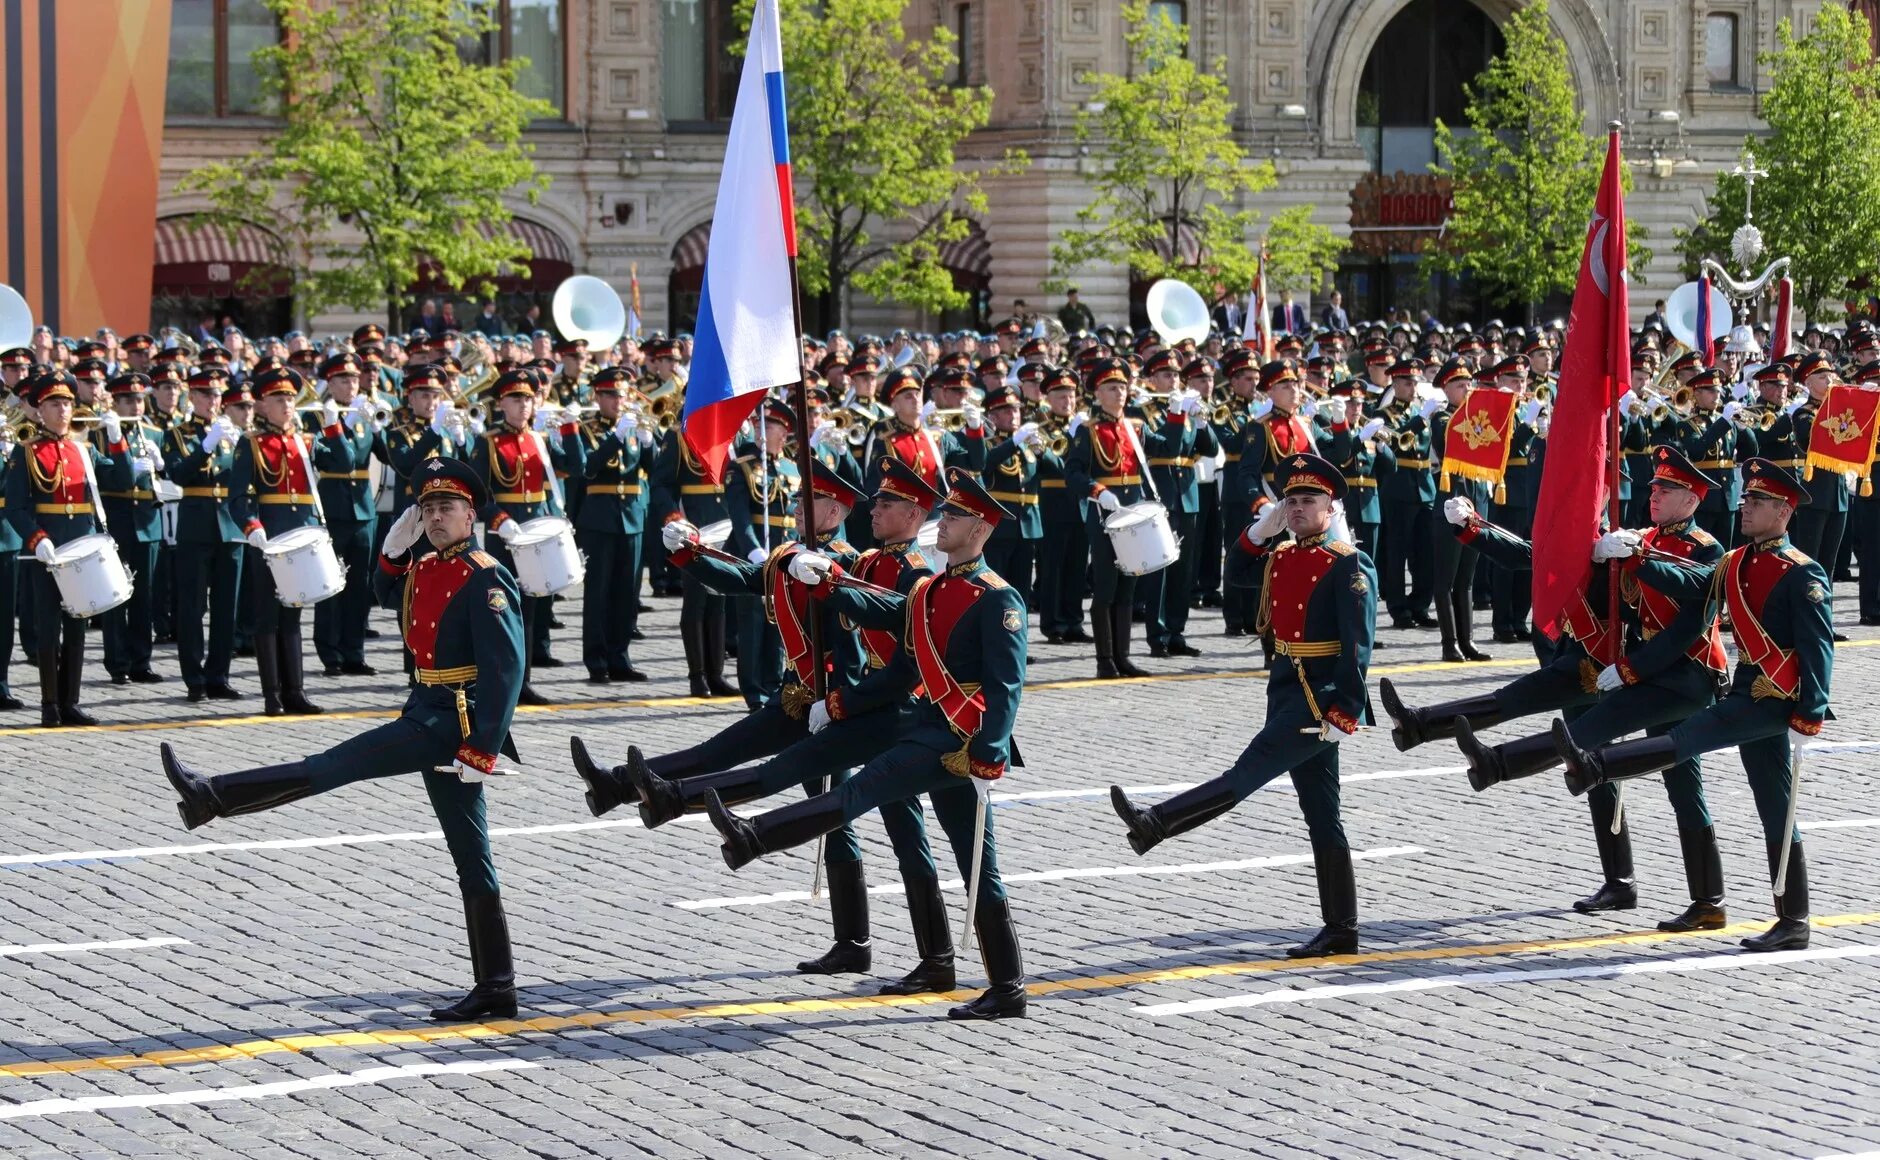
(553, 1024)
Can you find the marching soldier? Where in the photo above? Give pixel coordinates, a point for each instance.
(161, 414)
(1064, 548)
(1320, 606)
(1177, 485)
(684, 492)
(462, 628)
(200, 457)
(608, 528)
(135, 519)
(347, 503)
(1015, 467)
(964, 630)
(1777, 599)
(51, 485)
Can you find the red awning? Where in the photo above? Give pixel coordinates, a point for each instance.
(550, 264)
(211, 262)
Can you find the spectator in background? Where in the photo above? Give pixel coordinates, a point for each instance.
(1289, 317)
(1074, 315)
(1657, 316)
(205, 330)
(427, 317)
(1333, 317)
(1227, 315)
(447, 319)
(489, 322)
(531, 320)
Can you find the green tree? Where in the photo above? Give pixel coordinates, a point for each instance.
(1525, 172)
(1170, 172)
(1819, 203)
(390, 133)
(875, 130)
(1300, 254)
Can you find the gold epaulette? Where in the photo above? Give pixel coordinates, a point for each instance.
(1340, 548)
(993, 580)
(1795, 555)
(481, 558)
(1700, 536)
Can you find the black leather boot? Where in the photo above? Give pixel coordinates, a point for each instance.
(1509, 761)
(293, 677)
(692, 636)
(1177, 815)
(268, 668)
(767, 833)
(1587, 768)
(604, 789)
(1004, 996)
(1122, 624)
(1412, 727)
(1703, 872)
(203, 798)
(1338, 905)
(48, 658)
(933, 938)
(848, 914)
(71, 681)
(1790, 932)
(1618, 892)
(494, 995)
(1465, 630)
(714, 658)
(1105, 632)
(1446, 625)
(662, 799)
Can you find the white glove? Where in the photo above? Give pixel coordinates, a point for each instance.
(625, 426)
(155, 457)
(1627, 402)
(1615, 545)
(441, 419)
(508, 531)
(1730, 410)
(113, 426)
(677, 534)
(45, 553)
(404, 532)
(1077, 423)
(1107, 501)
(258, 538)
(470, 774)
(141, 465)
(1429, 407)
(1370, 429)
(758, 555)
(1197, 405)
(809, 568)
(1457, 510)
(1530, 411)
(1271, 522)
(820, 432)
(329, 413)
(1262, 409)
(541, 419)
(1795, 404)
(1026, 433)
(1798, 740)
(971, 414)
(819, 716)
(982, 788)
(1609, 679)
(926, 411)
(1308, 408)
(356, 415)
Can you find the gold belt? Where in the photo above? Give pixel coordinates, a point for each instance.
(205, 493)
(457, 676)
(521, 496)
(62, 509)
(1055, 483)
(362, 476)
(1233, 457)
(1178, 461)
(1360, 481)
(614, 489)
(1715, 464)
(291, 497)
(1119, 480)
(1517, 463)
(1308, 648)
(129, 494)
(1790, 463)
(700, 489)
(1413, 463)
(1012, 497)
(780, 521)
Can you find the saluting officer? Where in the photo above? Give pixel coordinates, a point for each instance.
(612, 516)
(135, 519)
(345, 462)
(1320, 606)
(462, 628)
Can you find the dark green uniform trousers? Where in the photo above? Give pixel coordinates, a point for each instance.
(911, 768)
(1656, 707)
(339, 623)
(128, 627)
(1760, 732)
(613, 564)
(1279, 747)
(208, 584)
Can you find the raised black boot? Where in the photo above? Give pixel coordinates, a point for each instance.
(494, 995)
(1412, 727)
(1587, 768)
(71, 681)
(792, 825)
(1122, 624)
(268, 668)
(1617, 892)
(1177, 815)
(1790, 932)
(662, 799)
(933, 938)
(1509, 761)
(714, 658)
(48, 658)
(848, 914)
(605, 789)
(1338, 905)
(1104, 630)
(1004, 996)
(203, 798)
(293, 677)
(1703, 872)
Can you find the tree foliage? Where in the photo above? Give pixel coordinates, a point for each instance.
(1300, 255)
(875, 130)
(1525, 173)
(1819, 203)
(1169, 174)
(391, 134)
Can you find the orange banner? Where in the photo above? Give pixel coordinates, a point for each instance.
(1476, 444)
(1844, 432)
(81, 117)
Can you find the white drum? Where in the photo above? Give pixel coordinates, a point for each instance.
(714, 535)
(304, 566)
(90, 576)
(928, 541)
(1142, 539)
(546, 559)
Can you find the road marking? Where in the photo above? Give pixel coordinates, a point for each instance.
(1088, 984)
(1061, 876)
(122, 944)
(260, 1091)
(1693, 963)
(1277, 785)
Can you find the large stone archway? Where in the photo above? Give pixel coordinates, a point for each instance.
(1342, 41)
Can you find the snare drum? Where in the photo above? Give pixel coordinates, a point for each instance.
(90, 576)
(304, 566)
(1142, 539)
(547, 560)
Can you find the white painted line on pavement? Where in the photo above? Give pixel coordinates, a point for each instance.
(1842, 824)
(260, 1091)
(1723, 962)
(1061, 875)
(1277, 784)
(122, 944)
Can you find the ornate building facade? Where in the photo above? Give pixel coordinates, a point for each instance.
(1342, 96)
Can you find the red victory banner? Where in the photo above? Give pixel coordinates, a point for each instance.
(1476, 444)
(1844, 433)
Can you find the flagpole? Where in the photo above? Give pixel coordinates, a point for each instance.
(1614, 513)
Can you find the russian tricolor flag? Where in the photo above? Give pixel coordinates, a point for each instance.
(745, 341)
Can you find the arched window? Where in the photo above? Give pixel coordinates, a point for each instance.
(688, 278)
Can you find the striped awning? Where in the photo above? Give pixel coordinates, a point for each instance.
(971, 254)
(545, 244)
(689, 253)
(180, 245)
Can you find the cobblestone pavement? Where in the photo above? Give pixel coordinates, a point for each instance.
(261, 985)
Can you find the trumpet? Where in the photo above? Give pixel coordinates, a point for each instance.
(948, 419)
(1755, 420)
